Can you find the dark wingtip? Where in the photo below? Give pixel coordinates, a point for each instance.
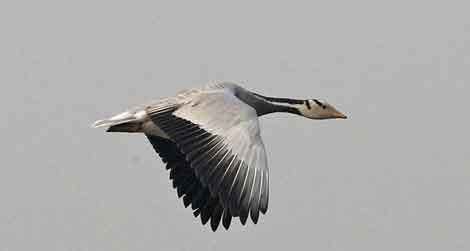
(254, 217)
(263, 210)
(216, 216)
(186, 201)
(179, 192)
(197, 212)
(227, 219)
(204, 219)
(243, 218)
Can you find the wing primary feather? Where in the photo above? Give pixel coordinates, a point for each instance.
(227, 180)
(243, 218)
(187, 200)
(265, 193)
(183, 180)
(206, 168)
(255, 201)
(172, 165)
(197, 212)
(208, 209)
(216, 216)
(230, 193)
(245, 201)
(200, 199)
(215, 164)
(172, 173)
(189, 186)
(190, 193)
(227, 170)
(207, 157)
(217, 174)
(238, 190)
(227, 219)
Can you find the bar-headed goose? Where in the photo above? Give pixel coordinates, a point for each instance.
(210, 140)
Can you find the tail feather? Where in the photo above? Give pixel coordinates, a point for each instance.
(124, 122)
(111, 122)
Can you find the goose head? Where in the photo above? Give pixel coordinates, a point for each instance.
(320, 109)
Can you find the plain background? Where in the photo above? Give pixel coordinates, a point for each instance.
(395, 176)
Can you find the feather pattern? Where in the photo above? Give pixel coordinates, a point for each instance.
(225, 152)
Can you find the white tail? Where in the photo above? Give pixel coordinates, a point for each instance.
(111, 122)
(124, 122)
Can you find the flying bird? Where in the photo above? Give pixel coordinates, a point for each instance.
(210, 140)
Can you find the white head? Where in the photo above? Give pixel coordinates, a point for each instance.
(319, 109)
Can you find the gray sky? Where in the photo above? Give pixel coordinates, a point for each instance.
(395, 176)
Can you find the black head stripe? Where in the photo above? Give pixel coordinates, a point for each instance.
(307, 103)
(319, 103)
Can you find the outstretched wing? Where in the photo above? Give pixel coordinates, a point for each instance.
(219, 136)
